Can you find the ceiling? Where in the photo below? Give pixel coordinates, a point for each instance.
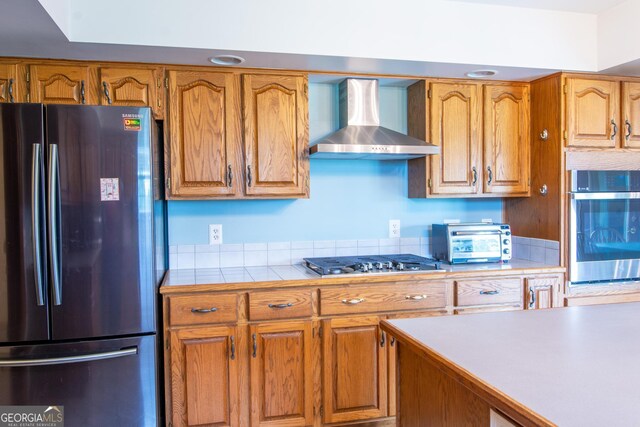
(581, 6)
(319, 39)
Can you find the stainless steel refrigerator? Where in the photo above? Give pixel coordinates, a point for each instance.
(82, 253)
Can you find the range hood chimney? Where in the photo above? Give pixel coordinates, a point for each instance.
(360, 135)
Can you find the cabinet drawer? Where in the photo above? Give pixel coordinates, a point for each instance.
(202, 309)
(488, 291)
(383, 297)
(280, 304)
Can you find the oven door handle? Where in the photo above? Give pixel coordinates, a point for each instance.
(627, 195)
(475, 233)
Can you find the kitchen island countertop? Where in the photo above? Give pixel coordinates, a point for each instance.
(572, 366)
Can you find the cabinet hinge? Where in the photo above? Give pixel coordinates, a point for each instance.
(166, 343)
(529, 182)
(429, 93)
(320, 332)
(565, 134)
(166, 82)
(322, 411)
(28, 97)
(169, 183)
(28, 76)
(565, 88)
(429, 183)
(159, 83)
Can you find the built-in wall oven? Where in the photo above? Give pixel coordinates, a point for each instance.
(604, 227)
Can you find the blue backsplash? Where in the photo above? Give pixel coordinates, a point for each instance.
(350, 199)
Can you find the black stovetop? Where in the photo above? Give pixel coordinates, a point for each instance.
(366, 264)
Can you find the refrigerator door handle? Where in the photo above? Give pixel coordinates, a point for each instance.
(18, 363)
(36, 232)
(53, 198)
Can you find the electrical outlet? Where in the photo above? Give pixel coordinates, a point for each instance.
(215, 234)
(394, 228)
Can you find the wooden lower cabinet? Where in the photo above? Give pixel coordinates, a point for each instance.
(355, 369)
(281, 374)
(204, 376)
(542, 292)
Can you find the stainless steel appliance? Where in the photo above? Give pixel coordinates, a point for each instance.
(371, 264)
(360, 135)
(471, 242)
(604, 226)
(83, 251)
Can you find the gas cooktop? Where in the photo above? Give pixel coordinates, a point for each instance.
(371, 264)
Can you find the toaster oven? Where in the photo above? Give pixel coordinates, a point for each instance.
(471, 242)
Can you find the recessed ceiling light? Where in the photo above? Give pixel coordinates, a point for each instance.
(481, 73)
(227, 60)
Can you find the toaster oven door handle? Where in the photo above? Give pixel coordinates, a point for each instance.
(474, 233)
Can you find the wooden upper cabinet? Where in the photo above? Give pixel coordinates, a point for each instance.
(61, 84)
(205, 135)
(204, 376)
(281, 374)
(593, 113)
(9, 83)
(506, 139)
(456, 126)
(355, 369)
(132, 87)
(276, 135)
(630, 115)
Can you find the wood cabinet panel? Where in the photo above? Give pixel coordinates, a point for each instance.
(506, 139)
(206, 146)
(61, 84)
(132, 87)
(355, 369)
(276, 135)
(420, 295)
(593, 112)
(271, 305)
(488, 291)
(9, 87)
(542, 292)
(456, 125)
(204, 377)
(202, 309)
(281, 374)
(630, 131)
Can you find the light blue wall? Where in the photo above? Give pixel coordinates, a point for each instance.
(350, 199)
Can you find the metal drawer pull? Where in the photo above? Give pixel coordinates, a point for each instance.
(615, 129)
(415, 297)
(353, 301)
(392, 342)
(255, 345)
(383, 337)
(279, 306)
(204, 310)
(532, 298)
(489, 292)
(233, 348)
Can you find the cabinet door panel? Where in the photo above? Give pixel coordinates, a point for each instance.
(205, 134)
(631, 114)
(592, 106)
(542, 292)
(281, 375)
(506, 139)
(204, 377)
(455, 125)
(355, 370)
(9, 88)
(61, 84)
(132, 87)
(276, 133)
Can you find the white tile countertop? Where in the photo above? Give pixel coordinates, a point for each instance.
(300, 272)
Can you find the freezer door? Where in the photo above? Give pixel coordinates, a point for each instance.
(100, 208)
(99, 383)
(23, 297)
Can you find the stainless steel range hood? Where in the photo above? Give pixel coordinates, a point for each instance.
(360, 135)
